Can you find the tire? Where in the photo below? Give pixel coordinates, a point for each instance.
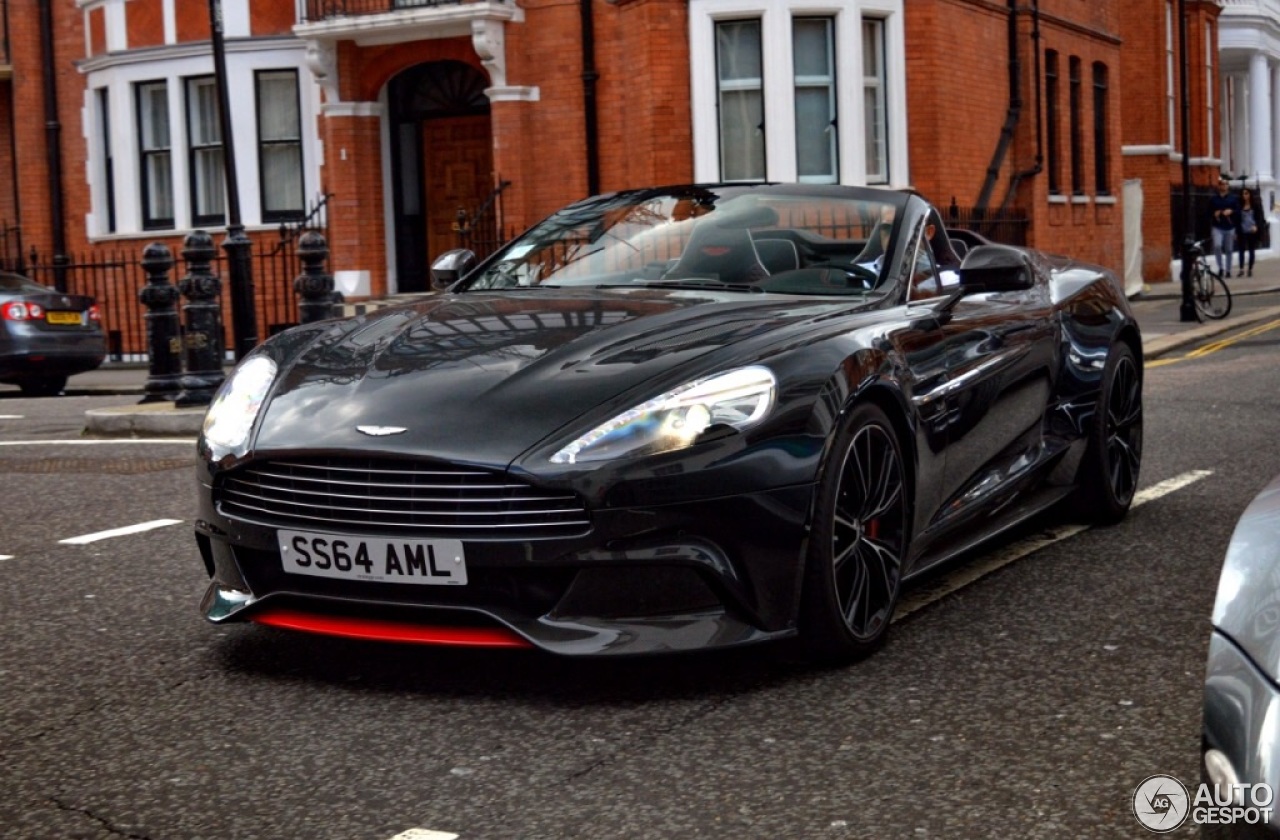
(859, 539)
(1113, 458)
(1212, 297)
(48, 386)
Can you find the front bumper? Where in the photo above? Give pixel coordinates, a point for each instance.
(702, 574)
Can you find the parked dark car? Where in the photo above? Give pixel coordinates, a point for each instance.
(46, 336)
(1241, 739)
(669, 419)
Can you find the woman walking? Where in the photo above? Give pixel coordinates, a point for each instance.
(1250, 218)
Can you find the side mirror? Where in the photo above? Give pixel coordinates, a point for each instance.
(995, 268)
(451, 266)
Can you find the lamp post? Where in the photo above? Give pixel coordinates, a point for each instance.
(244, 321)
(1187, 311)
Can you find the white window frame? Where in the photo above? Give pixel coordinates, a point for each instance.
(779, 83)
(120, 73)
(102, 170)
(738, 85)
(143, 185)
(293, 141)
(204, 142)
(878, 85)
(1210, 49)
(826, 82)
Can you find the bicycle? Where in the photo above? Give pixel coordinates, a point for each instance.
(1209, 290)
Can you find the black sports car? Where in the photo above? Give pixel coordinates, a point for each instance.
(669, 419)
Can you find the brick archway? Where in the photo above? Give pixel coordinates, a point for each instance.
(441, 160)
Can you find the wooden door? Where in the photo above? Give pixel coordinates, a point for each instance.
(458, 174)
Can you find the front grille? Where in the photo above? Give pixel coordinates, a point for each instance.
(386, 496)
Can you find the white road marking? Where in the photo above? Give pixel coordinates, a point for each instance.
(95, 441)
(424, 834)
(12, 416)
(6, 556)
(120, 532)
(1169, 485)
(971, 572)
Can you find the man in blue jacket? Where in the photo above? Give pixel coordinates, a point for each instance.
(1224, 208)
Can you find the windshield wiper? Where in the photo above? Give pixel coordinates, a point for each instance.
(694, 284)
(513, 288)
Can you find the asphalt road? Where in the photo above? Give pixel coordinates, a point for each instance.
(1028, 703)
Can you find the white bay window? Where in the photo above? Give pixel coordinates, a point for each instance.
(157, 154)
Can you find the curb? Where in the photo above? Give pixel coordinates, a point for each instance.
(1156, 347)
(148, 420)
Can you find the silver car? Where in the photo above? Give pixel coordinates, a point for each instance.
(1241, 745)
(46, 336)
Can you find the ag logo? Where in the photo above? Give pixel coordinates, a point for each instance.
(1161, 803)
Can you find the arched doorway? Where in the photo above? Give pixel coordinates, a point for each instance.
(441, 160)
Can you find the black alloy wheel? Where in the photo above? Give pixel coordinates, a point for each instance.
(1109, 477)
(853, 573)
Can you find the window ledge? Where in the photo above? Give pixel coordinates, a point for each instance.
(1080, 199)
(175, 233)
(1057, 198)
(1106, 199)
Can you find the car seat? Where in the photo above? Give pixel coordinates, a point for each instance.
(719, 252)
(777, 255)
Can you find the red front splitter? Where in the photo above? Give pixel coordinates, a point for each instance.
(391, 631)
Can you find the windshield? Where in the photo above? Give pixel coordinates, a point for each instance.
(828, 241)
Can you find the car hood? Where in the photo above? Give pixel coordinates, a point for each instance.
(481, 378)
(1248, 604)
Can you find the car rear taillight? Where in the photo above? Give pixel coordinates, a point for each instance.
(19, 311)
(94, 314)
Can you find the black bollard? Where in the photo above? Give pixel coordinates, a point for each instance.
(164, 338)
(314, 285)
(203, 316)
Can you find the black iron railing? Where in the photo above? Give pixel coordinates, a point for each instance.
(1007, 226)
(113, 278)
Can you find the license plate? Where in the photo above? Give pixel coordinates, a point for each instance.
(431, 562)
(62, 317)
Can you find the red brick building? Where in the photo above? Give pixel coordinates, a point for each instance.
(406, 112)
(1152, 101)
(1017, 105)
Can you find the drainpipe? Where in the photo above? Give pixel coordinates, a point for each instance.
(53, 146)
(590, 110)
(1038, 167)
(20, 264)
(1012, 115)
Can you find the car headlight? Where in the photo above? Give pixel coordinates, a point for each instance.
(230, 418)
(738, 399)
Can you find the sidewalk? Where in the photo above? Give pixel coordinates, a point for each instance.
(1158, 309)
